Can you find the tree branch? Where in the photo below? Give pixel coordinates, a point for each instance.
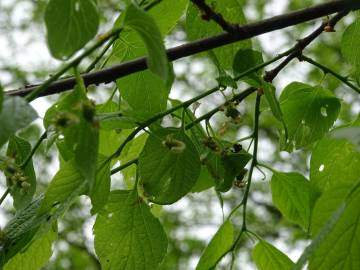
(302, 44)
(212, 15)
(330, 71)
(244, 32)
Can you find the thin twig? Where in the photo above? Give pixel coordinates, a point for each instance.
(296, 51)
(3, 197)
(36, 146)
(330, 71)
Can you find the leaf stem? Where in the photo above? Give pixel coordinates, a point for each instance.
(33, 150)
(3, 197)
(254, 157)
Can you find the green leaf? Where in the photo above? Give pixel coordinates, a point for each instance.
(218, 246)
(204, 182)
(100, 192)
(169, 166)
(20, 149)
(326, 206)
(70, 25)
(269, 92)
(147, 29)
(68, 183)
(350, 43)
(309, 112)
(268, 257)
(145, 92)
(246, 59)
(131, 151)
(197, 28)
(233, 164)
(293, 196)
(127, 235)
(16, 114)
(35, 255)
(334, 163)
(86, 151)
(340, 247)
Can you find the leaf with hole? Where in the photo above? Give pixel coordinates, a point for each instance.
(309, 112)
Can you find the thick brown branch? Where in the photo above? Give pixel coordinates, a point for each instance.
(242, 33)
(210, 14)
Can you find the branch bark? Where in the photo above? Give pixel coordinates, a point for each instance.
(242, 32)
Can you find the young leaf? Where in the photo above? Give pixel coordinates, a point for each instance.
(268, 257)
(127, 235)
(293, 196)
(169, 166)
(218, 246)
(350, 43)
(20, 149)
(35, 255)
(197, 28)
(340, 247)
(146, 27)
(334, 163)
(16, 114)
(309, 112)
(246, 59)
(70, 25)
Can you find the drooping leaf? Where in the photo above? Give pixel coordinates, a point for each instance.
(350, 43)
(309, 112)
(269, 92)
(20, 149)
(35, 256)
(127, 235)
(218, 246)
(293, 196)
(16, 114)
(268, 257)
(169, 166)
(147, 29)
(246, 59)
(334, 163)
(70, 25)
(340, 247)
(197, 28)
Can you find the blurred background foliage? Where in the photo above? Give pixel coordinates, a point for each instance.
(190, 223)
